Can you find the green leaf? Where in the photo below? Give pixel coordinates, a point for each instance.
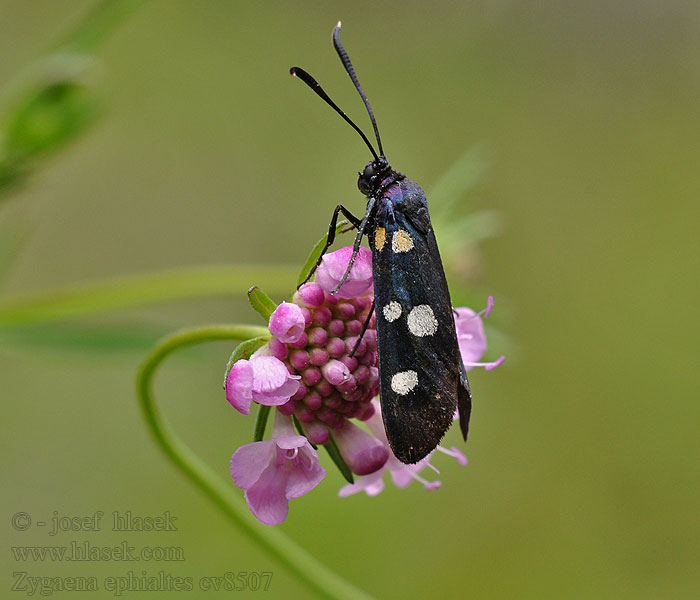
(317, 249)
(244, 350)
(53, 109)
(100, 22)
(260, 422)
(332, 449)
(460, 176)
(470, 229)
(261, 303)
(48, 117)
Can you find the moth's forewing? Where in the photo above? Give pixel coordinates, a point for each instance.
(421, 376)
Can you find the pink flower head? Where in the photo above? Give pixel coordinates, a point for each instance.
(472, 338)
(287, 322)
(339, 374)
(264, 379)
(274, 471)
(333, 266)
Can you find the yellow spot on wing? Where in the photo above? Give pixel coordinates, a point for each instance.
(379, 238)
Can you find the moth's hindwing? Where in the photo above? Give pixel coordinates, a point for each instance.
(422, 379)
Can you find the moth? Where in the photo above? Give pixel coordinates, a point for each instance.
(421, 375)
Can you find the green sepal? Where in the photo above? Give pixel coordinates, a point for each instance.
(260, 422)
(316, 252)
(244, 350)
(332, 449)
(261, 302)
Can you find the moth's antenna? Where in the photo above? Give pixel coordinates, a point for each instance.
(345, 59)
(315, 86)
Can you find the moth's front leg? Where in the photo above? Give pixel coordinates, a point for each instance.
(331, 235)
(358, 241)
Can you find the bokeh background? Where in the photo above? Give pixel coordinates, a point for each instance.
(583, 475)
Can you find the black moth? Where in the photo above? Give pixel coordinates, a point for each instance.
(421, 375)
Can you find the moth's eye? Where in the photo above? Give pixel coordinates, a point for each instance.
(369, 171)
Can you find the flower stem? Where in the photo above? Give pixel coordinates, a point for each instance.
(316, 575)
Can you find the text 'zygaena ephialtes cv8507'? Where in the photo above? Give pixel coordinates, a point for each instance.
(421, 375)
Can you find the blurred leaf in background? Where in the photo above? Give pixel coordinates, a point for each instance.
(58, 106)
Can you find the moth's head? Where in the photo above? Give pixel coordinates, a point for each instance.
(373, 175)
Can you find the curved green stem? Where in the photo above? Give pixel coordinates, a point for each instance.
(316, 575)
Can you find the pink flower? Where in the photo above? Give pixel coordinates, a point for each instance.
(287, 323)
(402, 475)
(333, 266)
(274, 471)
(472, 338)
(363, 453)
(264, 379)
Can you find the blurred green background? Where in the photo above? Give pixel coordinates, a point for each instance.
(583, 475)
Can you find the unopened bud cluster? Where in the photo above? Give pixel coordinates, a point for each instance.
(339, 375)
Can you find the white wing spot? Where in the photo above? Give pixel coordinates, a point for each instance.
(422, 321)
(404, 382)
(392, 311)
(401, 241)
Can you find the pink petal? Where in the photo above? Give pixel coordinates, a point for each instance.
(403, 475)
(307, 473)
(290, 441)
(249, 461)
(489, 307)
(496, 363)
(273, 385)
(488, 366)
(239, 386)
(470, 335)
(266, 498)
(363, 453)
(333, 266)
(457, 454)
(371, 484)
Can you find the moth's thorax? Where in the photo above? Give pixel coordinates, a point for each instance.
(401, 194)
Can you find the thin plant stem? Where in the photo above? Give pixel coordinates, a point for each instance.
(316, 575)
(115, 293)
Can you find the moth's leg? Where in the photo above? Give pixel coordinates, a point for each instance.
(358, 241)
(331, 235)
(364, 329)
